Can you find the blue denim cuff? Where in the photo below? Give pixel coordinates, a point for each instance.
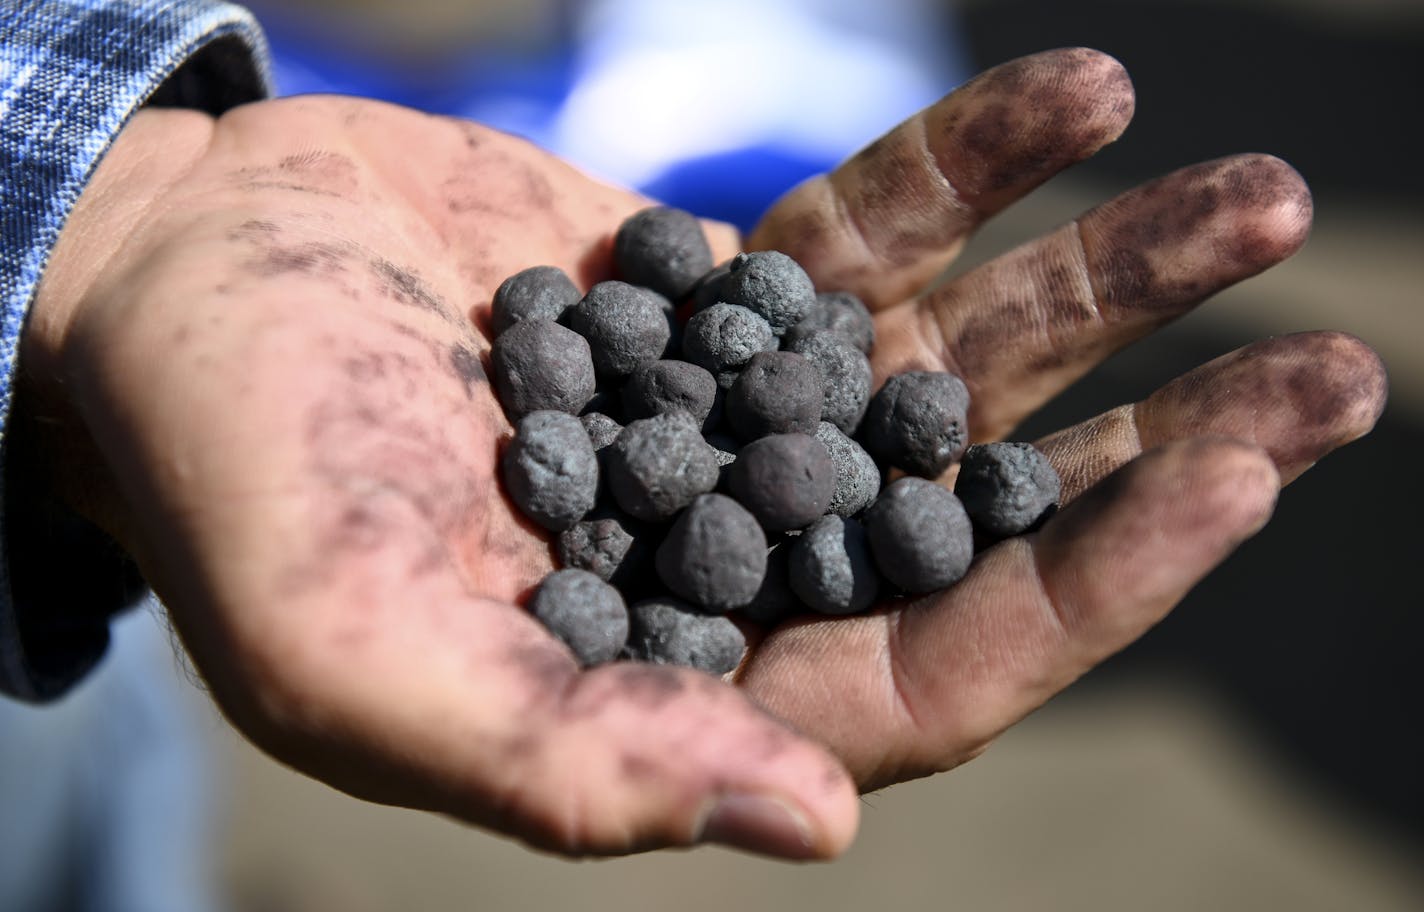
(71, 74)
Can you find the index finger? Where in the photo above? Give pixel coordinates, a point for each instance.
(894, 215)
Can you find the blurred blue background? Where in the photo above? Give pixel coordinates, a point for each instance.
(716, 107)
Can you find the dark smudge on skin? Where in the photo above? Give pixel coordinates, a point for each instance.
(253, 230)
(548, 666)
(467, 367)
(646, 688)
(406, 287)
(315, 171)
(309, 258)
(392, 474)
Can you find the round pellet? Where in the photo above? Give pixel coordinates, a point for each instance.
(662, 248)
(551, 470)
(920, 535)
(539, 364)
(724, 337)
(667, 386)
(845, 376)
(536, 293)
(583, 611)
(667, 631)
(1007, 488)
(776, 393)
(840, 312)
(771, 284)
(785, 480)
(659, 465)
(857, 475)
(714, 554)
(626, 326)
(831, 568)
(918, 422)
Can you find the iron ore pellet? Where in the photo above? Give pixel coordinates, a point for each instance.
(626, 326)
(666, 386)
(771, 284)
(714, 555)
(774, 601)
(536, 293)
(724, 337)
(659, 465)
(551, 470)
(857, 475)
(920, 535)
(1007, 488)
(839, 312)
(602, 430)
(610, 545)
(667, 631)
(776, 393)
(583, 611)
(662, 248)
(607, 400)
(845, 376)
(917, 422)
(708, 290)
(539, 364)
(831, 568)
(785, 480)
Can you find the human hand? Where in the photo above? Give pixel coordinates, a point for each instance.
(259, 343)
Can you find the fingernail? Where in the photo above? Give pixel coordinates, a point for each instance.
(758, 824)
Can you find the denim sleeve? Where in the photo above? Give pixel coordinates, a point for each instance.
(71, 74)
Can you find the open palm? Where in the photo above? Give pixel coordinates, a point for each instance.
(268, 334)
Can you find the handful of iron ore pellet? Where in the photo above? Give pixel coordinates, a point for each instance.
(704, 441)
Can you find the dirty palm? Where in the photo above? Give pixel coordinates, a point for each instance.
(311, 479)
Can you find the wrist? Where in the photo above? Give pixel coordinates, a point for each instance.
(103, 237)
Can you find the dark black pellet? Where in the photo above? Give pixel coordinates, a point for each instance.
(539, 364)
(536, 293)
(583, 611)
(724, 337)
(609, 544)
(831, 568)
(920, 535)
(663, 249)
(857, 475)
(551, 470)
(1007, 488)
(714, 555)
(666, 386)
(608, 400)
(659, 465)
(626, 326)
(845, 376)
(774, 601)
(776, 393)
(840, 312)
(785, 480)
(771, 284)
(708, 290)
(667, 631)
(918, 422)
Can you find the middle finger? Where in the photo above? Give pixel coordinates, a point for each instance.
(1022, 327)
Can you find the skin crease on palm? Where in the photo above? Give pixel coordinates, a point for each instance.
(257, 359)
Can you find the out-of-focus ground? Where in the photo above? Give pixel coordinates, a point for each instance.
(1261, 749)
